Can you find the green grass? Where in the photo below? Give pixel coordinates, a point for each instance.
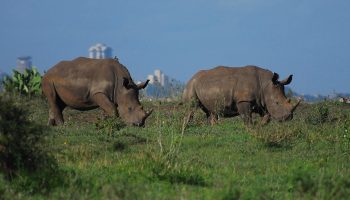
(306, 158)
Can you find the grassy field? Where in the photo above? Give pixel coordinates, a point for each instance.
(306, 158)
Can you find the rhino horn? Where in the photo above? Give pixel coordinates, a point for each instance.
(142, 85)
(287, 80)
(275, 78)
(148, 113)
(295, 106)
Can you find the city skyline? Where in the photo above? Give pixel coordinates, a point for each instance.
(308, 39)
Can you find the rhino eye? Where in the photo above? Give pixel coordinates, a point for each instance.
(129, 109)
(277, 102)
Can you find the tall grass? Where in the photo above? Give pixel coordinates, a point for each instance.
(306, 158)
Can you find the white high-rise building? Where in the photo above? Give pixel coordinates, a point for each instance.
(150, 77)
(164, 80)
(24, 62)
(158, 77)
(100, 51)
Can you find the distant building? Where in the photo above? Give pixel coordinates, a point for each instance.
(160, 86)
(100, 51)
(24, 62)
(159, 78)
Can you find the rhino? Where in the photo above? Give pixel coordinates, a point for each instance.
(86, 84)
(233, 91)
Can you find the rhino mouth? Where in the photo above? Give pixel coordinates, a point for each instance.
(285, 118)
(139, 124)
(142, 122)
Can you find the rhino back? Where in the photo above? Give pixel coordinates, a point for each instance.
(77, 80)
(225, 86)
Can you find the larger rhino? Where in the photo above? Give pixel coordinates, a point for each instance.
(232, 91)
(85, 84)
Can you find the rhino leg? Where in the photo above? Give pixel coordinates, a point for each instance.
(103, 101)
(56, 106)
(55, 112)
(189, 117)
(55, 117)
(213, 118)
(265, 119)
(245, 110)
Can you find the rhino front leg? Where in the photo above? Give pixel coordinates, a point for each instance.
(245, 110)
(103, 101)
(213, 118)
(265, 119)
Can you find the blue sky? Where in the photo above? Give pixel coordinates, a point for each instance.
(307, 38)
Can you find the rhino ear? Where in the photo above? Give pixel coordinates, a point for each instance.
(142, 85)
(287, 80)
(126, 83)
(275, 78)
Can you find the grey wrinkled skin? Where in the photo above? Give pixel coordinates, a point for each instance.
(85, 84)
(232, 91)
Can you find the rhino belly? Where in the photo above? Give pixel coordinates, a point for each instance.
(218, 101)
(75, 97)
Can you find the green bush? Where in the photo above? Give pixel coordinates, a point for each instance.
(319, 114)
(26, 83)
(23, 156)
(307, 182)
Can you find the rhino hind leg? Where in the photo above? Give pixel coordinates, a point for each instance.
(55, 116)
(213, 118)
(245, 111)
(56, 105)
(105, 104)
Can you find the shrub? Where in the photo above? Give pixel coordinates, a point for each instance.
(307, 182)
(319, 114)
(26, 83)
(23, 158)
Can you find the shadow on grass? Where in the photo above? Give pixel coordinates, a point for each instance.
(127, 139)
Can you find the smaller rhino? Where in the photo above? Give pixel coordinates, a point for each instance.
(85, 84)
(232, 91)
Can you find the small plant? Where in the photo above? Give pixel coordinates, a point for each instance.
(164, 161)
(303, 181)
(319, 115)
(26, 83)
(233, 193)
(109, 124)
(277, 136)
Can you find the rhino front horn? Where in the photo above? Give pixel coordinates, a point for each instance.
(148, 113)
(142, 85)
(296, 105)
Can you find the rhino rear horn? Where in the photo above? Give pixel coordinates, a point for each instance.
(275, 78)
(126, 83)
(142, 85)
(287, 80)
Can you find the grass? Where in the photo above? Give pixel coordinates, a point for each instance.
(306, 158)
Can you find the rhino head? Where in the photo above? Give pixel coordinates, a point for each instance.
(278, 106)
(129, 106)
